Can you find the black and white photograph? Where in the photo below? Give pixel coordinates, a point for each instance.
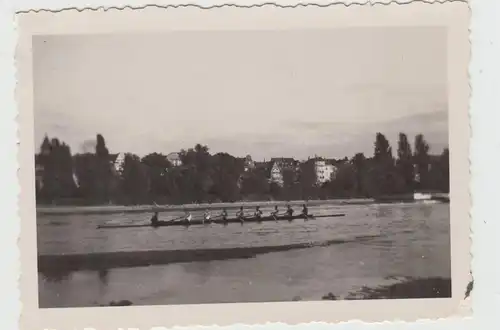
(223, 166)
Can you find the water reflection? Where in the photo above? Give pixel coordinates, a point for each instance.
(103, 276)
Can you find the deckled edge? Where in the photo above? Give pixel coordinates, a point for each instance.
(395, 322)
(346, 3)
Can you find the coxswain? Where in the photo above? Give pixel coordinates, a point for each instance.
(258, 213)
(154, 219)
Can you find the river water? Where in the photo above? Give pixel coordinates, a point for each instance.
(375, 244)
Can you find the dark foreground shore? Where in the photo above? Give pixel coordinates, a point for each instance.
(64, 263)
(434, 287)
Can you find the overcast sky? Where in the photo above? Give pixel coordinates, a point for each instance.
(264, 93)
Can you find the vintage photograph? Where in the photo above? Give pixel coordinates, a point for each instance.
(210, 167)
(218, 166)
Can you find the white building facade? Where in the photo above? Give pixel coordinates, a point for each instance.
(174, 159)
(325, 171)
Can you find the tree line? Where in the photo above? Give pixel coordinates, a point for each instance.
(92, 178)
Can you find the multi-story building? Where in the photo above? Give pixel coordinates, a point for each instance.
(325, 170)
(278, 166)
(117, 162)
(174, 159)
(249, 163)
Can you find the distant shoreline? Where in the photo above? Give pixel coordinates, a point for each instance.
(114, 209)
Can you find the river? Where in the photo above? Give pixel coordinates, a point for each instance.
(372, 245)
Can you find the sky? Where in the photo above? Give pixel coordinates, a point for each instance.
(293, 93)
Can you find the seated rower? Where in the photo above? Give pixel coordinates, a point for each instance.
(154, 219)
(274, 213)
(224, 215)
(188, 217)
(305, 211)
(207, 216)
(258, 213)
(289, 211)
(240, 214)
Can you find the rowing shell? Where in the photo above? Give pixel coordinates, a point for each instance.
(221, 221)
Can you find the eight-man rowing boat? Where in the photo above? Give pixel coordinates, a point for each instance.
(221, 221)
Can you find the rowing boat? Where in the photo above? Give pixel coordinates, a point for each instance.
(222, 221)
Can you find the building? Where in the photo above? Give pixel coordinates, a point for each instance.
(38, 173)
(249, 163)
(117, 162)
(325, 170)
(278, 166)
(174, 159)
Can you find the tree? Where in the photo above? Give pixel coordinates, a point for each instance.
(289, 180)
(103, 170)
(360, 168)
(100, 149)
(307, 180)
(195, 181)
(86, 173)
(135, 181)
(404, 163)
(157, 167)
(344, 184)
(439, 174)
(225, 175)
(255, 184)
(385, 179)
(56, 164)
(383, 150)
(422, 162)
(444, 165)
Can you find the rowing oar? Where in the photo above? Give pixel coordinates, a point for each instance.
(211, 218)
(175, 219)
(275, 216)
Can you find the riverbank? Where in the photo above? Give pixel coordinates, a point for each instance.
(116, 209)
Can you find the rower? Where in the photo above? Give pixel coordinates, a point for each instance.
(240, 214)
(224, 215)
(154, 219)
(274, 213)
(258, 213)
(289, 211)
(207, 216)
(188, 217)
(305, 211)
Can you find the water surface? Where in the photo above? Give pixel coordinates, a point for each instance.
(383, 243)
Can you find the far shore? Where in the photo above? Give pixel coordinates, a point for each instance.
(114, 209)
